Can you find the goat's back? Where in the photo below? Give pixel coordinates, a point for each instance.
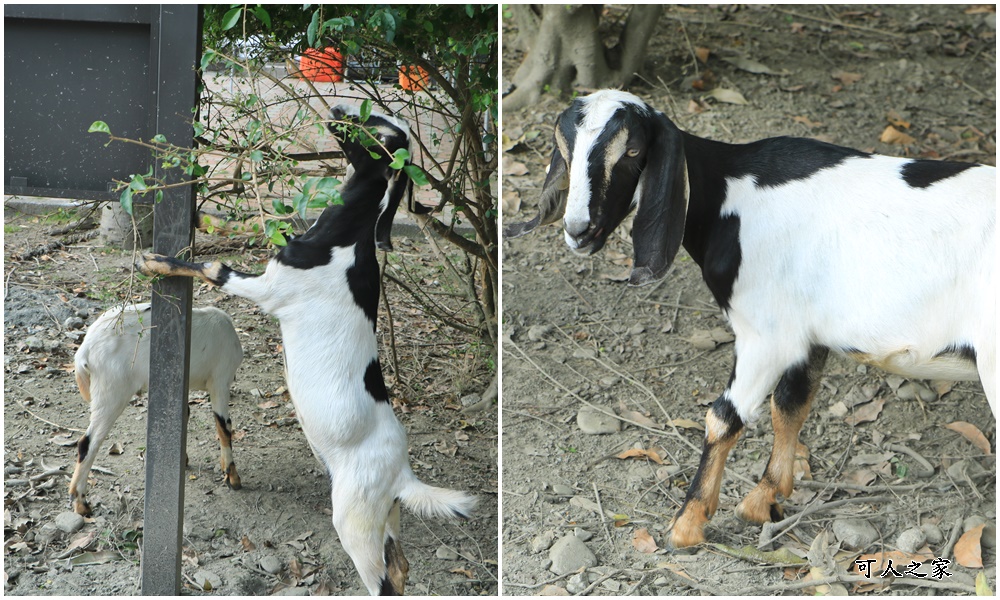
(116, 348)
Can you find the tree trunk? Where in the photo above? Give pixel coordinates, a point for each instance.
(568, 50)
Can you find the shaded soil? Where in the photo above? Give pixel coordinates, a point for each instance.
(281, 517)
(575, 337)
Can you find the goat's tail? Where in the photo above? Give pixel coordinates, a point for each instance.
(429, 501)
(83, 380)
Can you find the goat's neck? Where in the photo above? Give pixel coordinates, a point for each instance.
(707, 162)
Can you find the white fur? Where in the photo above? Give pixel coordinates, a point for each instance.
(837, 259)
(112, 364)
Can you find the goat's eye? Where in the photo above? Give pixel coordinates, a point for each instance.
(632, 152)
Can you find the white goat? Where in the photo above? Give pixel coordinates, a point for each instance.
(112, 365)
(806, 246)
(324, 288)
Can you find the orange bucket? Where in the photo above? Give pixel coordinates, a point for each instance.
(413, 79)
(321, 65)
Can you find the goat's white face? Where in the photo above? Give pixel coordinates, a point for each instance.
(603, 139)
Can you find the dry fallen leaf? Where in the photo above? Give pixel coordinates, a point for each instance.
(807, 122)
(640, 418)
(752, 66)
(968, 550)
(248, 546)
(726, 95)
(846, 77)
(643, 542)
(686, 424)
(896, 120)
(866, 412)
(979, 9)
(971, 433)
(702, 54)
(64, 439)
(466, 572)
(891, 135)
(115, 449)
(641, 453)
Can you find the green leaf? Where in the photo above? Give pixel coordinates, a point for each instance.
(416, 174)
(256, 156)
(313, 29)
(231, 18)
(208, 57)
(160, 138)
(470, 11)
(366, 110)
(399, 158)
(126, 200)
(261, 13)
(138, 184)
(99, 127)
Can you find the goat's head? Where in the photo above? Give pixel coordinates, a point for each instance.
(370, 153)
(614, 154)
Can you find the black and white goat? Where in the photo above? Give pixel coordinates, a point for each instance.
(807, 247)
(323, 287)
(112, 364)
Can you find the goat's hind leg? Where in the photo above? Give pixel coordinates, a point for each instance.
(789, 408)
(369, 534)
(219, 394)
(104, 411)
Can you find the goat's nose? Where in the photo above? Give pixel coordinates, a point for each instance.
(575, 227)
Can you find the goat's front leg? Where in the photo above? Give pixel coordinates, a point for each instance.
(789, 408)
(754, 375)
(214, 272)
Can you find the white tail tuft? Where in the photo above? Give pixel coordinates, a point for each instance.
(429, 501)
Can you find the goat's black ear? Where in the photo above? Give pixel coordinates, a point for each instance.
(658, 228)
(399, 186)
(552, 203)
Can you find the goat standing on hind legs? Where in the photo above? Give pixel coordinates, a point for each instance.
(323, 287)
(807, 247)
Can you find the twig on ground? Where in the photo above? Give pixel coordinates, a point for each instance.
(600, 509)
(956, 532)
(599, 581)
(798, 585)
(785, 525)
(839, 23)
(43, 420)
(927, 469)
(542, 584)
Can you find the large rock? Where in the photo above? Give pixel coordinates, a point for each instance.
(570, 554)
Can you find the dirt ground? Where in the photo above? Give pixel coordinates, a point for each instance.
(274, 536)
(576, 339)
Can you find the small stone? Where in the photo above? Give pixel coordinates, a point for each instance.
(660, 581)
(293, 591)
(271, 564)
(33, 342)
(666, 472)
(585, 353)
(636, 329)
(73, 323)
(965, 468)
(446, 553)
(68, 522)
(562, 489)
(470, 399)
(208, 580)
(537, 332)
(570, 554)
(911, 540)
(988, 539)
(933, 533)
(553, 590)
(609, 381)
(542, 542)
(855, 533)
(577, 583)
(611, 584)
(583, 534)
(595, 423)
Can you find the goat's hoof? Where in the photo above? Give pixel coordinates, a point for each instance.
(687, 531)
(758, 510)
(232, 478)
(81, 507)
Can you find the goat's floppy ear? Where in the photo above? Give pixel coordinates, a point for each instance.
(552, 203)
(399, 186)
(658, 228)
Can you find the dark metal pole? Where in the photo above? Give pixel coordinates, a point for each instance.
(177, 33)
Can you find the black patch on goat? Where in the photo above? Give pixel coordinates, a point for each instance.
(83, 448)
(721, 262)
(780, 160)
(963, 351)
(924, 173)
(375, 383)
